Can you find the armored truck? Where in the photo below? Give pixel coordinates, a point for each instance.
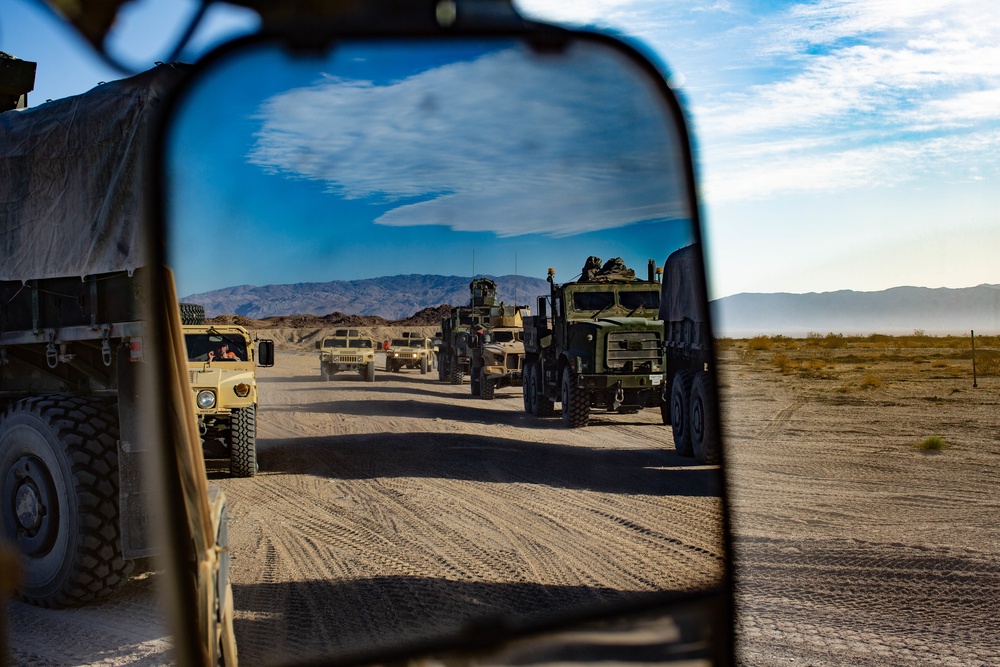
(222, 366)
(497, 354)
(601, 347)
(458, 331)
(411, 350)
(346, 351)
(692, 408)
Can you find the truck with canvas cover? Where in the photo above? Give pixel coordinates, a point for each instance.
(222, 366)
(411, 349)
(346, 351)
(73, 348)
(601, 347)
(692, 410)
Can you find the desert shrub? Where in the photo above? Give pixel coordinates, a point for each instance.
(988, 363)
(724, 344)
(783, 363)
(871, 381)
(758, 343)
(932, 443)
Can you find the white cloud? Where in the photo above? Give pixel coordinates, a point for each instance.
(569, 147)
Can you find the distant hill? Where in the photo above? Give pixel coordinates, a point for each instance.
(391, 297)
(900, 310)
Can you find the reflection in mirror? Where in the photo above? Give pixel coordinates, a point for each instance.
(524, 470)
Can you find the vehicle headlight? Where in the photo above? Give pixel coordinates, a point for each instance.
(206, 399)
(242, 389)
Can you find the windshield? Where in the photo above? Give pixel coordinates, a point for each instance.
(506, 336)
(593, 300)
(400, 342)
(645, 300)
(352, 343)
(215, 347)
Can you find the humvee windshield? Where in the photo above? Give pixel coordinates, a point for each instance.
(356, 343)
(199, 345)
(400, 342)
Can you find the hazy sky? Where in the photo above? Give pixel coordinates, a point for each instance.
(841, 143)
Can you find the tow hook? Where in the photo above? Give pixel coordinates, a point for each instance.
(619, 396)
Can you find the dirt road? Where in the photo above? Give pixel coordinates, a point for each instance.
(384, 510)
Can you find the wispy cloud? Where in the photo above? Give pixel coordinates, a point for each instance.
(503, 143)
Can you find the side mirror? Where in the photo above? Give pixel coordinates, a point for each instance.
(265, 353)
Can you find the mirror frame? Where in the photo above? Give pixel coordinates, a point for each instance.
(314, 37)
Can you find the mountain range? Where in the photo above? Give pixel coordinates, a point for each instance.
(899, 310)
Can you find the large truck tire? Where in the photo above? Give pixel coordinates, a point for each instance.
(442, 369)
(370, 371)
(487, 388)
(192, 313)
(456, 376)
(59, 471)
(243, 442)
(475, 382)
(424, 366)
(680, 411)
(575, 402)
(704, 422)
(527, 383)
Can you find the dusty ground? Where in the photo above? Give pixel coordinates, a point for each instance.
(382, 507)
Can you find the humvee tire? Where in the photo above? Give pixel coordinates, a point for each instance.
(704, 434)
(370, 371)
(192, 313)
(243, 442)
(59, 469)
(680, 411)
(423, 366)
(575, 402)
(324, 374)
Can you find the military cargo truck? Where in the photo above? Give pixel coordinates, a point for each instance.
(75, 439)
(600, 347)
(692, 410)
(411, 350)
(222, 366)
(346, 350)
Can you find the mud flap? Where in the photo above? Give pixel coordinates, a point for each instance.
(133, 492)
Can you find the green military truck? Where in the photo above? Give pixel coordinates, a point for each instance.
(346, 351)
(600, 348)
(411, 350)
(222, 367)
(692, 409)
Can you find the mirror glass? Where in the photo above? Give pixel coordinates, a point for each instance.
(377, 179)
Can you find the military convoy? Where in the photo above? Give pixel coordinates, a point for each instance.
(411, 350)
(346, 350)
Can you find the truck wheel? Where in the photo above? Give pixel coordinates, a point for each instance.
(192, 313)
(575, 402)
(388, 365)
(680, 411)
(475, 382)
(542, 406)
(704, 431)
(370, 371)
(59, 471)
(442, 371)
(487, 388)
(527, 384)
(324, 374)
(423, 366)
(243, 442)
(456, 376)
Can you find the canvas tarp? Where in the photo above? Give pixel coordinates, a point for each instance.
(71, 180)
(682, 296)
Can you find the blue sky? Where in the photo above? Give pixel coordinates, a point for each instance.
(841, 144)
